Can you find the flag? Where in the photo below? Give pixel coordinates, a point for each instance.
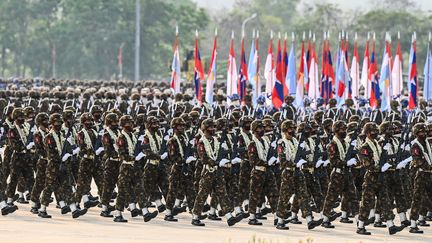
(313, 92)
(396, 76)
(308, 62)
(385, 75)
(198, 72)
(211, 77)
(365, 71)
(269, 70)
(355, 71)
(412, 102)
(327, 73)
(278, 89)
(373, 78)
(231, 71)
(285, 64)
(343, 76)
(243, 75)
(252, 70)
(175, 67)
(427, 91)
(302, 77)
(291, 79)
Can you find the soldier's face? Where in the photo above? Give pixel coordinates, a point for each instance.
(97, 116)
(20, 120)
(45, 123)
(114, 125)
(373, 134)
(247, 126)
(421, 134)
(180, 128)
(57, 125)
(260, 131)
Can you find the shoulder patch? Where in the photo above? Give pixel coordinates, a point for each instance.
(365, 151)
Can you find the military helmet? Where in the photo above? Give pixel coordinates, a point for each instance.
(55, 118)
(8, 110)
(394, 104)
(328, 122)
(110, 118)
(29, 110)
(207, 123)
(354, 118)
(370, 127)
(349, 102)
(68, 115)
(151, 120)
(18, 113)
(96, 109)
(267, 122)
(125, 119)
(332, 102)
(338, 126)
(86, 116)
(385, 126)
(289, 99)
(41, 117)
(55, 108)
(288, 124)
(140, 119)
(318, 115)
(352, 126)
(256, 124)
(276, 116)
(245, 121)
(419, 127)
(177, 121)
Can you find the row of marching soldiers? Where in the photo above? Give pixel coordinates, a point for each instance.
(234, 166)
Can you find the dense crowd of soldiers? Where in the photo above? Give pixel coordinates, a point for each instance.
(145, 148)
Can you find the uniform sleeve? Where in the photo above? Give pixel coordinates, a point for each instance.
(147, 150)
(174, 155)
(202, 154)
(51, 148)
(418, 158)
(366, 157)
(84, 149)
(253, 155)
(282, 156)
(122, 149)
(14, 141)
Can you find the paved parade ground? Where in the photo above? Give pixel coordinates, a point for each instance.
(22, 226)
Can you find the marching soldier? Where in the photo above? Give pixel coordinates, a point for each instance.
(370, 156)
(292, 178)
(56, 179)
(111, 161)
(212, 180)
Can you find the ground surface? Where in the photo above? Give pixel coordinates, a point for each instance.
(22, 226)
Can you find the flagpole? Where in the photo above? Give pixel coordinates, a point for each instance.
(247, 20)
(137, 39)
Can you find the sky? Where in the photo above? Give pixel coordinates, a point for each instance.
(344, 4)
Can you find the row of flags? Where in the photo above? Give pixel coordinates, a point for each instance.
(338, 80)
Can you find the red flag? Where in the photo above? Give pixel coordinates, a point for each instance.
(199, 72)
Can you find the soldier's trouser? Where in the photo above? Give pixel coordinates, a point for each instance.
(110, 177)
(150, 183)
(396, 191)
(39, 183)
(422, 188)
(341, 185)
(98, 173)
(323, 179)
(358, 175)
(277, 172)
(314, 190)
(262, 183)
(22, 186)
(179, 182)
(374, 185)
(20, 166)
(244, 179)
(162, 180)
(292, 182)
(2, 187)
(129, 180)
(6, 162)
(56, 180)
(84, 178)
(231, 185)
(197, 174)
(211, 182)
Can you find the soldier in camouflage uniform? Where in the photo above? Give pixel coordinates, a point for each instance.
(341, 183)
(262, 182)
(129, 180)
(86, 141)
(370, 156)
(180, 179)
(292, 179)
(212, 180)
(56, 179)
(42, 122)
(97, 166)
(20, 163)
(70, 133)
(7, 152)
(245, 138)
(152, 148)
(421, 162)
(111, 161)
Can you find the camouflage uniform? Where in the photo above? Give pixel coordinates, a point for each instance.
(245, 166)
(20, 164)
(111, 165)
